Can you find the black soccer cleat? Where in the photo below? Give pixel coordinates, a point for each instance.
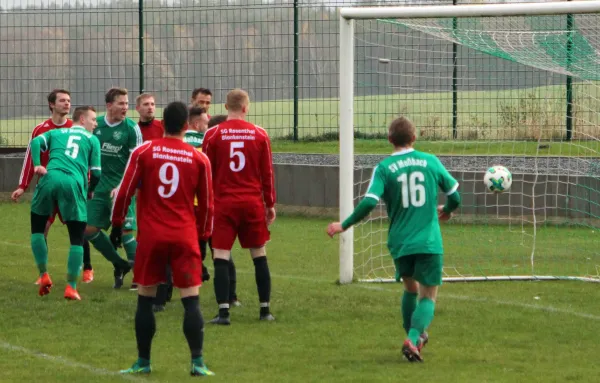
(119, 275)
(158, 308)
(225, 321)
(205, 274)
(267, 317)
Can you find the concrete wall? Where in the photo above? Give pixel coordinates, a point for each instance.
(315, 190)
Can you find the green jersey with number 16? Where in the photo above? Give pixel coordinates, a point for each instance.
(408, 182)
(117, 141)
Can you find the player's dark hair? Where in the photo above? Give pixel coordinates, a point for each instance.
(401, 132)
(216, 120)
(52, 96)
(175, 117)
(80, 111)
(195, 111)
(198, 91)
(113, 93)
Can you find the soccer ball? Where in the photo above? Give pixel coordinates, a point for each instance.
(497, 179)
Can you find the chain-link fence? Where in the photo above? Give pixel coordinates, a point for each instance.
(284, 52)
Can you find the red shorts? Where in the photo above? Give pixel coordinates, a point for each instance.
(152, 257)
(52, 218)
(247, 222)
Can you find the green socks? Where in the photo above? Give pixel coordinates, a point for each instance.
(421, 319)
(74, 265)
(102, 243)
(40, 251)
(130, 244)
(409, 303)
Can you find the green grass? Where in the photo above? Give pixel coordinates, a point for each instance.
(484, 119)
(487, 332)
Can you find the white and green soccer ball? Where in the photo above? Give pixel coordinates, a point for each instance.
(497, 179)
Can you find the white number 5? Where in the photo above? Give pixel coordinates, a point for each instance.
(72, 146)
(173, 181)
(236, 153)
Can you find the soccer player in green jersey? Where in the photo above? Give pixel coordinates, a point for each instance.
(64, 183)
(408, 182)
(118, 136)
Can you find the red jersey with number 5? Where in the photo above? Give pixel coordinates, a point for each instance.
(242, 164)
(170, 173)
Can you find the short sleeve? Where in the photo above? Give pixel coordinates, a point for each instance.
(377, 184)
(95, 157)
(446, 182)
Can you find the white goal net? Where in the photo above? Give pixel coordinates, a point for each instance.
(519, 90)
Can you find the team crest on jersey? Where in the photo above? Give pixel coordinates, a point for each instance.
(117, 135)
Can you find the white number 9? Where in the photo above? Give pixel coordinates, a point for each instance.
(173, 181)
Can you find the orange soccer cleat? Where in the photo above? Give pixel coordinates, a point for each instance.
(71, 294)
(88, 276)
(45, 285)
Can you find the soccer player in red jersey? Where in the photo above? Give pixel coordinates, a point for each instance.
(242, 166)
(169, 174)
(151, 127)
(59, 103)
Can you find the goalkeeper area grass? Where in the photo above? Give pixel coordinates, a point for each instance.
(482, 332)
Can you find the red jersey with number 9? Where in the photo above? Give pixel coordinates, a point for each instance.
(170, 173)
(241, 161)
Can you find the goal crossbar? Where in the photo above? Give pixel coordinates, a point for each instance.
(346, 88)
(473, 10)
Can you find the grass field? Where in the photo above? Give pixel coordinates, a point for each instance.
(488, 332)
(484, 118)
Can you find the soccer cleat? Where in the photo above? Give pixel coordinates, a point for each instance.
(45, 285)
(137, 368)
(411, 352)
(205, 274)
(267, 317)
(119, 274)
(134, 287)
(423, 340)
(220, 320)
(235, 303)
(200, 370)
(158, 308)
(88, 276)
(71, 294)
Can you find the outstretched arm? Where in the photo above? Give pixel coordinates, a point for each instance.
(368, 203)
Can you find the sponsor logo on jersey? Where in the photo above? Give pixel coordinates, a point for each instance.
(117, 135)
(110, 148)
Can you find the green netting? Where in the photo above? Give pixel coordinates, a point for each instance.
(563, 44)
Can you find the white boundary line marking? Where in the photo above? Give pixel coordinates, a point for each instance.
(549, 309)
(67, 362)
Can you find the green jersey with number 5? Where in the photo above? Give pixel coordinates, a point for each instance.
(72, 151)
(408, 182)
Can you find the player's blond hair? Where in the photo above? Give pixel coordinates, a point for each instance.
(80, 111)
(401, 132)
(236, 100)
(144, 96)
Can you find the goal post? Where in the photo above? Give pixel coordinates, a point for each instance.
(351, 188)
